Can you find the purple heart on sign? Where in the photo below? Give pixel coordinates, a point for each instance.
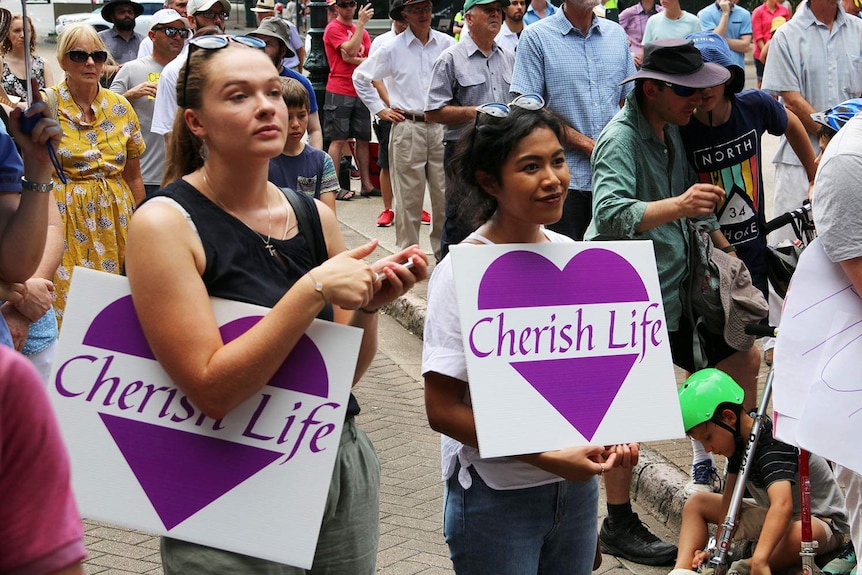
(116, 328)
(527, 279)
(581, 389)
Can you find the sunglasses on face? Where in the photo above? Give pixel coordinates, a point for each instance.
(531, 102)
(346, 4)
(170, 32)
(682, 91)
(216, 43)
(81, 56)
(210, 15)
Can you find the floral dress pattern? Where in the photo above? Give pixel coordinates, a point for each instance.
(16, 86)
(96, 203)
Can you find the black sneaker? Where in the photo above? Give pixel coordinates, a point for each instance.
(631, 539)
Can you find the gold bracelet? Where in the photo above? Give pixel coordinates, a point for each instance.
(318, 287)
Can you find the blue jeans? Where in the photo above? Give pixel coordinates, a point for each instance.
(550, 529)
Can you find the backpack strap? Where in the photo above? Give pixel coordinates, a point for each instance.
(310, 227)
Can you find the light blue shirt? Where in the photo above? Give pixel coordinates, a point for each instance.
(578, 76)
(824, 66)
(530, 16)
(738, 25)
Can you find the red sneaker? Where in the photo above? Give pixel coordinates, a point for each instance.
(385, 219)
(426, 218)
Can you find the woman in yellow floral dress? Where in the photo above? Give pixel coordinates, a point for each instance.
(100, 153)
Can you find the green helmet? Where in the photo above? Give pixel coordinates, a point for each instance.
(703, 392)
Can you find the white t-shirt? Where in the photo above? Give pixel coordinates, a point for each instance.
(443, 353)
(165, 109)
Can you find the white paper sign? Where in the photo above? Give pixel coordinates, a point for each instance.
(143, 456)
(818, 357)
(566, 345)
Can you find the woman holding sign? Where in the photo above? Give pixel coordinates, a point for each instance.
(531, 513)
(221, 229)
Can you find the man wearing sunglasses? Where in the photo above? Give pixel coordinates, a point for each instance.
(415, 145)
(146, 47)
(644, 188)
(475, 71)
(202, 14)
(138, 81)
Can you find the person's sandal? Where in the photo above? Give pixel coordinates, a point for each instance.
(344, 195)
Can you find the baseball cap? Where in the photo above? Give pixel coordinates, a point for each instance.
(470, 3)
(196, 6)
(714, 48)
(275, 27)
(167, 16)
(678, 62)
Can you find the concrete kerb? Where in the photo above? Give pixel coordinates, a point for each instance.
(657, 485)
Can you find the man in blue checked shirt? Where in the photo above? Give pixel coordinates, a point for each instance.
(575, 61)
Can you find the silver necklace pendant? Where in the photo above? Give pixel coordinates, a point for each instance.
(271, 249)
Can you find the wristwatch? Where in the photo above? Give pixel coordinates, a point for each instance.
(36, 187)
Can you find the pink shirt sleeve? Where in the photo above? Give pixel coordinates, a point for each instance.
(40, 530)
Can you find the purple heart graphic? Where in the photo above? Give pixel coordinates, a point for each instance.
(116, 328)
(527, 279)
(180, 472)
(580, 389)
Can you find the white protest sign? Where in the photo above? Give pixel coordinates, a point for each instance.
(817, 360)
(566, 345)
(143, 456)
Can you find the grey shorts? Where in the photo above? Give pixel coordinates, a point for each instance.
(346, 117)
(349, 534)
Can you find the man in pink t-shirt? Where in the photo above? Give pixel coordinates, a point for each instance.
(40, 530)
(345, 116)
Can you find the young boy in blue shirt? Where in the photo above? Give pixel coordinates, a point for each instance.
(300, 167)
(712, 413)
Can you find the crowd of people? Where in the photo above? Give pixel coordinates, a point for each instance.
(536, 123)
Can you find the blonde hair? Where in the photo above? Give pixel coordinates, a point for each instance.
(75, 33)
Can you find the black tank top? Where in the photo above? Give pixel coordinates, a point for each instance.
(238, 266)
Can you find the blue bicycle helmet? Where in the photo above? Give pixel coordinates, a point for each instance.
(839, 115)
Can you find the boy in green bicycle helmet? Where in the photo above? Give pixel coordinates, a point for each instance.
(711, 403)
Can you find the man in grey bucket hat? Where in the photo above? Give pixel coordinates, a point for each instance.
(644, 188)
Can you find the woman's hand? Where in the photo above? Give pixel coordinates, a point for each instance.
(347, 280)
(574, 463)
(396, 280)
(39, 299)
(627, 455)
(14, 293)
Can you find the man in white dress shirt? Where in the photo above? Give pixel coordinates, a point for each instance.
(416, 146)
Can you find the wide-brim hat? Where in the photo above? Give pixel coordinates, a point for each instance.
(264, 6)
(714, 48)
(275, 27)
(110, 7)
(470, 3)
(396, 12)
(678, 62)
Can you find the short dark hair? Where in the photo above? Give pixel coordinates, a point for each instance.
(486, 147)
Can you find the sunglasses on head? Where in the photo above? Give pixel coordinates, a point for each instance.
(682, 91)
(81, 56)
(215, 43)
(170, 31)
(531, 102)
